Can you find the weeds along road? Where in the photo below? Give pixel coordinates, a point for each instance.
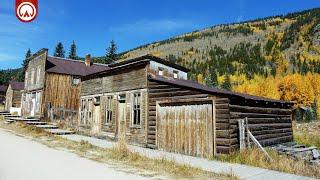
(24, 159)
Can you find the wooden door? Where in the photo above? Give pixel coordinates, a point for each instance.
(95, 129)
(186, 129)
(121, 120)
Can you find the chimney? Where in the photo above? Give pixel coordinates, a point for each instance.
(88, 60)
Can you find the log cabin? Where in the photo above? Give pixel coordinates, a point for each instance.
(52, 82)
(13, 96)
(150, 102)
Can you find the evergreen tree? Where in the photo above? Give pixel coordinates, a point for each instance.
(111, 54)
(214, 78)
(59, 51)
(24, 64)
(226, 83)
(73, 51)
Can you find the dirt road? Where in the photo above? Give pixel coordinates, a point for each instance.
(24, 159)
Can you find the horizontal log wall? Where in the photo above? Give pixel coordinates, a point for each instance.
(269, 125)
(223, 132)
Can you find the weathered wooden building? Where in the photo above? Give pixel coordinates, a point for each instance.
(13, 95)
(3, 89)
(149, 102)
(53, 83)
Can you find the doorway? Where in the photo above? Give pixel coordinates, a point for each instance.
(121, 118)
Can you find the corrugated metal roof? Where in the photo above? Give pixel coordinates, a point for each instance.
(17, 85)
(196, 85)
(3, 88)
(73, 67)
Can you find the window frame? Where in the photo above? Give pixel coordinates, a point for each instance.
(32, 76)
(160, 71)
(38, 74)
(136, 109)
(175, 72)
(75, 78)
(26, 79)
(108, 110)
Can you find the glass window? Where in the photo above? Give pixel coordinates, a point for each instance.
(75, 81)
(109, 110)
(175, 74)
(137, 109)
(161, 70)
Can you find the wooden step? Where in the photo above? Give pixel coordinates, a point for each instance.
(59, 131)
(9, 115)
(47, 126)
(35, 122)
(20, 119)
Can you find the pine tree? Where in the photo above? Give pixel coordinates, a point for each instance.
(214, 78)
(73, 51)
(59, 51)
(24, 64)
(111, 53)
(226, 83)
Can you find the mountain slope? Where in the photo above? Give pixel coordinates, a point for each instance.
(268, 46)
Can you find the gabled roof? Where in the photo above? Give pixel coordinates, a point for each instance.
(3, 88)
(72, 67)
(17, 86)
(149, 57)
(197, 86)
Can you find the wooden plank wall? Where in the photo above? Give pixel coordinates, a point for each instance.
(59, 91)
(186, 129)
(158, 92)
(270, 125)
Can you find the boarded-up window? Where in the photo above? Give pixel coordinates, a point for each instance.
(26, 79)
(32, 76)
(136, 109)
(38, 74)
(109, 110)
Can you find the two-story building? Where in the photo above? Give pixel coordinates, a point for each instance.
(150, 102)
(52, 82)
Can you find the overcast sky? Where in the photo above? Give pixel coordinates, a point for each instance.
(93, 24)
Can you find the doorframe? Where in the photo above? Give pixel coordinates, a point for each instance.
(118, 121)
(210, 100)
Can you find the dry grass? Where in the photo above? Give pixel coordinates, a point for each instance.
(307, 133)
(119, 156)
(284, 163)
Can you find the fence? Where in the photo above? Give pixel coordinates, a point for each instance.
(245, 136)
(61, 114)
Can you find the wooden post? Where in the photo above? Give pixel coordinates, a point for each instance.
(241, 134)
(247, 132)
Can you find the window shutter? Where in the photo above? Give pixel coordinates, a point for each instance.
(114, 110)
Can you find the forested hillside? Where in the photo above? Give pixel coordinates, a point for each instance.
(276, 57)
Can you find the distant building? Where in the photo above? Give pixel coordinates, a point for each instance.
(3, 89)
(52, 82)
(13, 96)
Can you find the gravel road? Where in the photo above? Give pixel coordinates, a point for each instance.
(24, 159)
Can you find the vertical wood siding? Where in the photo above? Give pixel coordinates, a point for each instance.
(186, 129)
(60, 92)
